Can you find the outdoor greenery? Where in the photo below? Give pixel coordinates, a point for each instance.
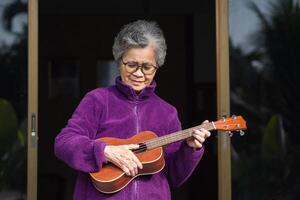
(265, 88)
(13, 103)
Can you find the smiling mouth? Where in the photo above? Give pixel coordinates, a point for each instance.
(137, 82)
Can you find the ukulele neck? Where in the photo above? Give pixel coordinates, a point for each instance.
(177, 136)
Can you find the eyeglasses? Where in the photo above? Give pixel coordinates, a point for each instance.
(146, 68)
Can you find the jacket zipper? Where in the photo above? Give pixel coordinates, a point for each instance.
(135, 184)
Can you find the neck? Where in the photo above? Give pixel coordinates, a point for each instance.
(137, 92)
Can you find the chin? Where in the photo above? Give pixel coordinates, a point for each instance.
(138, 89)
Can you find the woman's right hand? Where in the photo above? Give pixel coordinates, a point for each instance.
(123, 157)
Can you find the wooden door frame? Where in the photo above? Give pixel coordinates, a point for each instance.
(32, 116)
(223, 98)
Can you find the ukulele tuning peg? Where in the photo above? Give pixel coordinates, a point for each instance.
(242, 133)
(224, 116)
(229, 133)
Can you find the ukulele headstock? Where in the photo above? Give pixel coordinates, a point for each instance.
(234, 123)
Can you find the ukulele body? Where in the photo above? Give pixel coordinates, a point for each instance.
(110, 178)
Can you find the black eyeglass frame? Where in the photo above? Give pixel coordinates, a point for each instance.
(138, 65)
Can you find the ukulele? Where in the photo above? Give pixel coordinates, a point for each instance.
(111, 179)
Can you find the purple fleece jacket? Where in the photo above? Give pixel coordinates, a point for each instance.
(117, 111)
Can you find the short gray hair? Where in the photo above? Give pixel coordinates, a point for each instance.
(139, 34)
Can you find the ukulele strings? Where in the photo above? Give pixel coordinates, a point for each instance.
(142, 148)
(156, 142)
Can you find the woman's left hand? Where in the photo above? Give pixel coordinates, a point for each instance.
(198, 138)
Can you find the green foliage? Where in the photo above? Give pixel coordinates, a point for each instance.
(13, 101)
(280, 40)
(12, 148)
(8, 126)
(273, 146)
(266, 165)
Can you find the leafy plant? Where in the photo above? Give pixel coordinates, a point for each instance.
(265, 164)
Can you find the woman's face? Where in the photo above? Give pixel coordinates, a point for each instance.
(137, 79)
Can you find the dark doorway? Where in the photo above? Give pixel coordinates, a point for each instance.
(75, 40)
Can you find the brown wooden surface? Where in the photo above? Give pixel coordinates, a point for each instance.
(223, 98)
(111, 178)
(32, 150)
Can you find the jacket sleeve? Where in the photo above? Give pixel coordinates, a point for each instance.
(76, 144)
(181, 160)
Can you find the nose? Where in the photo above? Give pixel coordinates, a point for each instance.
(138, 72)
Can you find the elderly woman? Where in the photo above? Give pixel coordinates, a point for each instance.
(123, 110)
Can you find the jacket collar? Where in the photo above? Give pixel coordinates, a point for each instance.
(130, 93)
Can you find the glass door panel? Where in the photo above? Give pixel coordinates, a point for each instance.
(13, 99)
(264, 58)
